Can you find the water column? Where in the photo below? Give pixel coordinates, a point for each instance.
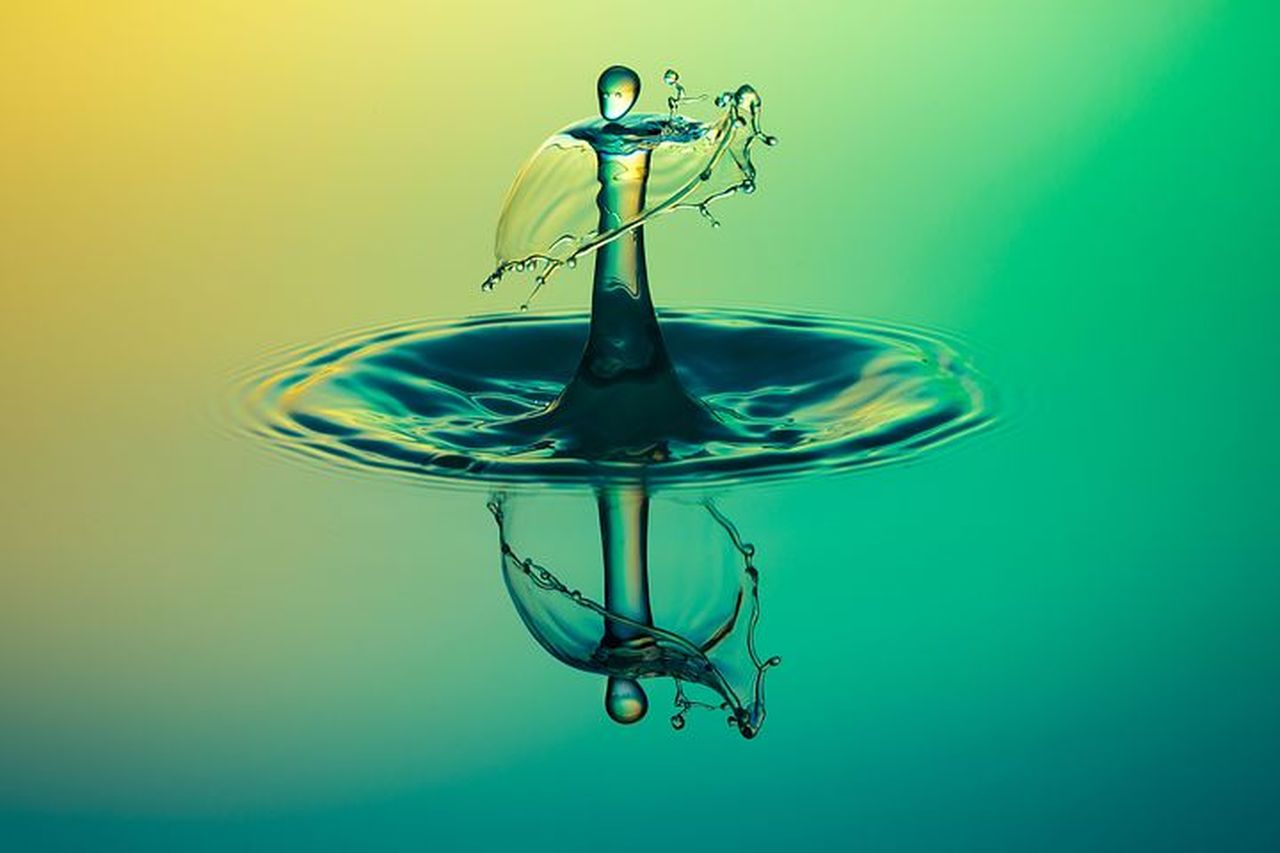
(625, 400)
(624, 343)
(624, 348)
(624, 539)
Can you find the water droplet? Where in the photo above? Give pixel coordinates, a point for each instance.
(670, 77)
(625, 700)
(677, 722)
(747, 97)
(618, 88)
(520, 266)
(572, 263)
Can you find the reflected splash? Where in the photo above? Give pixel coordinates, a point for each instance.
(619, 640)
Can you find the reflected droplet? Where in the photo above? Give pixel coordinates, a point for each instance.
(625, 700)
(618, 88)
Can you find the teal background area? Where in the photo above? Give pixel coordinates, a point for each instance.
(1062, 634)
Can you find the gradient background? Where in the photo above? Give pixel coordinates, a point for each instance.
(1061, 635)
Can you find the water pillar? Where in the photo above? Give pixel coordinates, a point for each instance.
(624, 346)
(624, 342)
(624, 540)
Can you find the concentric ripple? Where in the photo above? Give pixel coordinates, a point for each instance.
(451, 402)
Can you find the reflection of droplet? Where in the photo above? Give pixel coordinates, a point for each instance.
(618, 87)
(625, 700)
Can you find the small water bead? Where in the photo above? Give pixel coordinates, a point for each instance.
(670, 77)
(618, 88)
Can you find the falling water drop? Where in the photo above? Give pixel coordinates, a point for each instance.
(618, 87)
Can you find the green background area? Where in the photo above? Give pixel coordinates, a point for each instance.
(1063, 634)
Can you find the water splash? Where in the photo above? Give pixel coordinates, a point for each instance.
(678, 95)
(546, 221)
(625, 647)
(750, 395)
(457, 403)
